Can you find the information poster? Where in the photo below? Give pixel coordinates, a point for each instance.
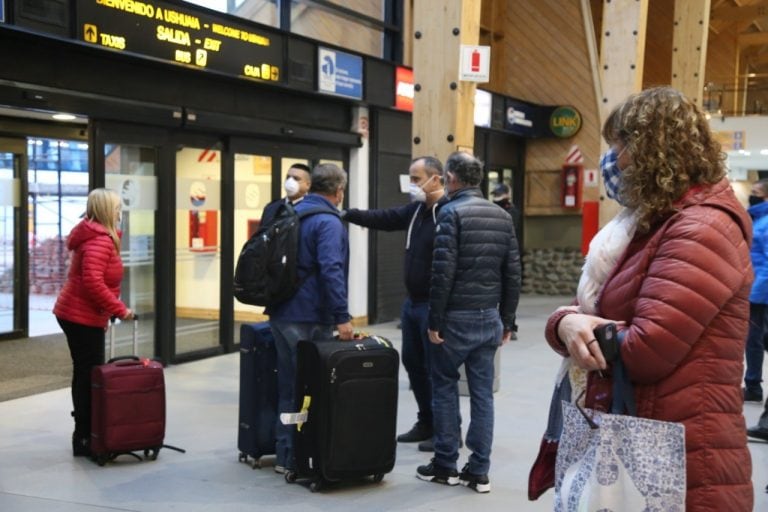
(340, 73)
(181, 35)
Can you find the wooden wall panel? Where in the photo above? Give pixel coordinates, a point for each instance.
(722, 68)
(657, 68)
(547, 61)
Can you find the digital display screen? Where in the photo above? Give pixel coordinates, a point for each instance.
(181, 35)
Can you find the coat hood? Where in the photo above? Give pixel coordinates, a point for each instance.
(84, 231)
(720, 195)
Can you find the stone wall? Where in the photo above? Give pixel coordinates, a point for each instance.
(552, 271)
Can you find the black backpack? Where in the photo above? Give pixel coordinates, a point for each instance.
(266, 272)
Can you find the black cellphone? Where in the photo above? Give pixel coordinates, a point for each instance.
(606, 339)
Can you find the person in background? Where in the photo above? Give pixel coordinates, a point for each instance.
(473, 297)
(418, 218)
(502, 196)
(320, 304)
(89, 298)
(758, 298)
(297, 184)
(679, 293)
(758, 307)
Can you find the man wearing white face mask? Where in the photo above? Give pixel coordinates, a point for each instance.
(320, 305)
(296, 186)
(418, 218)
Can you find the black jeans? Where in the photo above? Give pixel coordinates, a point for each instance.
(86, 346)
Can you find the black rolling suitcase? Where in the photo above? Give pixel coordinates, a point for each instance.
(258, 393)
(349, 390)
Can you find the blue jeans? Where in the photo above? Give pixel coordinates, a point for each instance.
(287, 336)
(471, 338)
(414, 321)
(758, 328)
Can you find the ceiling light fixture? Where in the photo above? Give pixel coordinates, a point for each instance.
(64, 117)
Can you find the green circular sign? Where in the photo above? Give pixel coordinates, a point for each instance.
(565, 122)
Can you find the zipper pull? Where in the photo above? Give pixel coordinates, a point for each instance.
(333, 375)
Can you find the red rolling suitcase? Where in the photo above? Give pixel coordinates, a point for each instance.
(127, 406)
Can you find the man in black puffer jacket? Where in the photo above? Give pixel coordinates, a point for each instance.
(475, 288)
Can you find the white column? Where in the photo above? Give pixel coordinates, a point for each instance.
(359, 170)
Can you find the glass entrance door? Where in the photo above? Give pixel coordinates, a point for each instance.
(198, 250)
(57, 192)
(253, 191)
(130, 170)
(13, 319)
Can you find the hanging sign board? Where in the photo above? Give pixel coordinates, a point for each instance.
(339, 73)
(180, 34)
(483, 103)
(404, 89)
(475, 63)
(590, 178)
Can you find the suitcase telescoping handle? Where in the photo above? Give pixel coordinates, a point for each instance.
(135, 338)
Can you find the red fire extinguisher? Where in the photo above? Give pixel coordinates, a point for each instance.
(571, 189)
(475, 63)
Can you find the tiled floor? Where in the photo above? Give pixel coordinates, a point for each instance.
(38, 473)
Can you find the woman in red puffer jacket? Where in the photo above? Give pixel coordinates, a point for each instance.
(679, 292)
(89, 298)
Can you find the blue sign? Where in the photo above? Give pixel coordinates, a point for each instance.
(339, 73)
(2, 11)
(527, 119)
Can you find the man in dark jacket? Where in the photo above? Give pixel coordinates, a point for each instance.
(297, 183)
(418, 217)
(475, 288)
(320, 304)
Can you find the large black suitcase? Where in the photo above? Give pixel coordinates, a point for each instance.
(258, 393)
(350, 430)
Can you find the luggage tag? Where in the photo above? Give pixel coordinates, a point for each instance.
(297, 418)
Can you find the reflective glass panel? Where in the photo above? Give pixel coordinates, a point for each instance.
(57, 193)
(130, 170)
(198, 252)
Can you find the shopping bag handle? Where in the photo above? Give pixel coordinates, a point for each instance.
(623, 392)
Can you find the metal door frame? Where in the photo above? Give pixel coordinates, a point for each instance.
(18, 147)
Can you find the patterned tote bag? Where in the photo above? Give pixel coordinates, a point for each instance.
(619, 463)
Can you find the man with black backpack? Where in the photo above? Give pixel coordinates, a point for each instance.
(320, 304)
(296, 185)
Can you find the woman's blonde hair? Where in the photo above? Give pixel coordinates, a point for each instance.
(671, 148)
(102, 207)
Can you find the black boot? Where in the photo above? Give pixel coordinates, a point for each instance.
(81, 446)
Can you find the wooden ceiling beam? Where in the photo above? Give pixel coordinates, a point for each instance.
(758, 60)
(753, 39)
(741, 13)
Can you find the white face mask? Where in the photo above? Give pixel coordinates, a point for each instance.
(417, 192)
(291, 186)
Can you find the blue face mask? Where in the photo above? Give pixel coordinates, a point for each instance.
(611, 174)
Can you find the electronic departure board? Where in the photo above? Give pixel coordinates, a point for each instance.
(182, 35)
